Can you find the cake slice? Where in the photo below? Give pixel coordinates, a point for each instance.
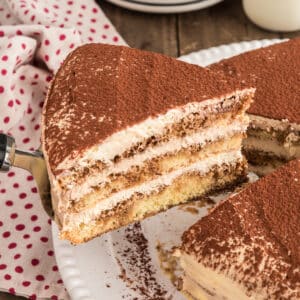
(248, 247)
(274, 131)
(128, 133)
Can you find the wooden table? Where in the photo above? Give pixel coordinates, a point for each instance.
(179, 34)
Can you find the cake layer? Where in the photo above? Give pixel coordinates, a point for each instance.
(148, 187)
(212, 127)
(101, 90)
(261, 162)
(194, 132)
(186, 186)
(286, 151)
(74, 187)
(154, 168)
(248, 245)
(270, 143)
(281, 138)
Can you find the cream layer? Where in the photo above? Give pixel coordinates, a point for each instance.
(75, 191)
(267, 124)
(125, 139)
(286, 151)
(70, 220)
(201, 282)
(263, 170)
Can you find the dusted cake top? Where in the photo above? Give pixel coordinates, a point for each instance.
(254, 235)
(275, 72)
(102, 89)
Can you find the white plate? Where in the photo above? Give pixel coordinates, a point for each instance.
(91, 271)
(164, 6)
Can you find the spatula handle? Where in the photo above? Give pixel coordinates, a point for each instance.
(7, 152)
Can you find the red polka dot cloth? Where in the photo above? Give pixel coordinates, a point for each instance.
(35, 37)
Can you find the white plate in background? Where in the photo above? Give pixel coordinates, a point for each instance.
(91, 271)
(164, 6)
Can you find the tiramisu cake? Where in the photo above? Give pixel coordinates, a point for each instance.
(128, 133)
(248, 247)
(274, 132)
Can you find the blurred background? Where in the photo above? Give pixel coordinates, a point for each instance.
(182, 33)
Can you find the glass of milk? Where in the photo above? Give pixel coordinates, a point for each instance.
(276, 15)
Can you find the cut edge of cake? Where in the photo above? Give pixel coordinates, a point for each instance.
(274, 131)
(270, 143)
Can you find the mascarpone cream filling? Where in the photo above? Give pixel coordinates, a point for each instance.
(286, 150)
(263, 170)
(72, 220)
(267, 124)
(76, 191)
(222, 287)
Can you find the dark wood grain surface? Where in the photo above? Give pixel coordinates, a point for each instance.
(179, 34)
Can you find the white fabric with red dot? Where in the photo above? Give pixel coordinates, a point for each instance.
(35, 37)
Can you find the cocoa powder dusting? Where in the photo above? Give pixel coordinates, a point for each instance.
(255, 232)
(274, 71)
(136, 260)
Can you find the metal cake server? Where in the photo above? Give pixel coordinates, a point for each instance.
(32, 161)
